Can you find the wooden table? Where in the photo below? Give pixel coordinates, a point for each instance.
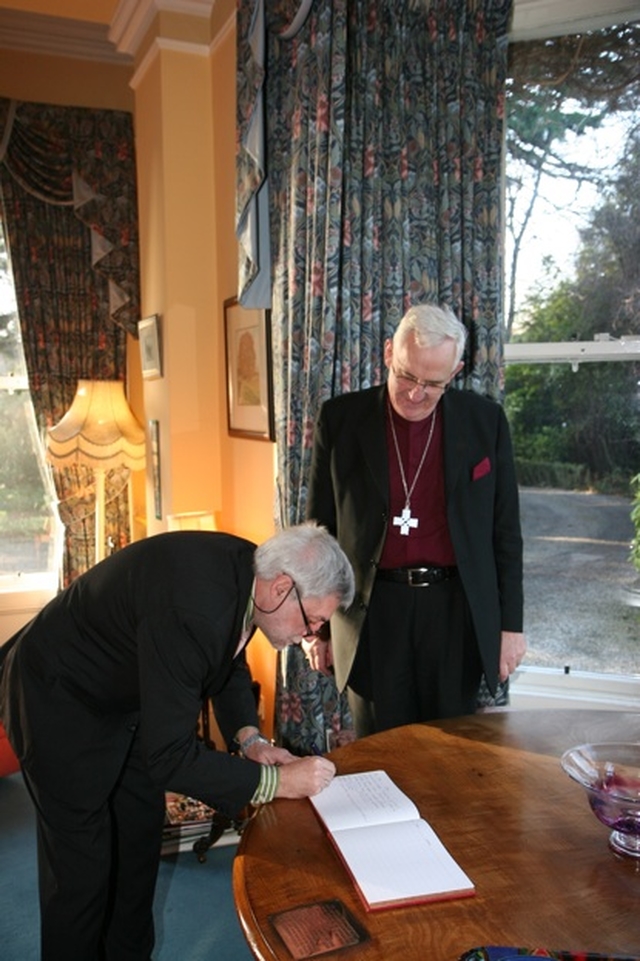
(492, 788)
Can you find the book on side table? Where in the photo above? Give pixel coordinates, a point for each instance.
(393, 856)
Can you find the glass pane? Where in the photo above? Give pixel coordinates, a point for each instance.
(572, 169)
(27, 542)
(571, 244)
(30, 532)
(576, 438)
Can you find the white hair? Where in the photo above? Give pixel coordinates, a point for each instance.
(312, 557)
(431, 325)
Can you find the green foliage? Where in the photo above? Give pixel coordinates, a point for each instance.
(588, 417)
(560, 87)
(22, 500)
(601, 66)
(634, 555)
(540, 473)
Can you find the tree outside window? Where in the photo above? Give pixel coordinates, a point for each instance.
(29, 529)
(576, 429)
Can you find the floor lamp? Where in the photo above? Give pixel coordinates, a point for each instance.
(100, 431)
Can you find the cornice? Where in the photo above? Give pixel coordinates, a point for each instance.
(84, 40)
(120, 41)
(133, 18)
(56, 36)
(535, 19)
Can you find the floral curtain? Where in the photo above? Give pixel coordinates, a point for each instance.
(68, 186)
(384, 143)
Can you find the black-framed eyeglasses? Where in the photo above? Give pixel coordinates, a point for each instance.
(308, 630)
(424, 385)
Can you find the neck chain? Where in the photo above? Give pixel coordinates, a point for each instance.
(405, 521)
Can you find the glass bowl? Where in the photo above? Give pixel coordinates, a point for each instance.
(610, 774)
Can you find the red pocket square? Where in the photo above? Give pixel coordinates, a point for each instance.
(484, 467)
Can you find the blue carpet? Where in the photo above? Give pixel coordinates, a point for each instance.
(194, 910)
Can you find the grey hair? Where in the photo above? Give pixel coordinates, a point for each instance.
(312, 557)
(431, 325)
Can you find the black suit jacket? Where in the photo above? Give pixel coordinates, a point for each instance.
(136, 644)
(349, 493)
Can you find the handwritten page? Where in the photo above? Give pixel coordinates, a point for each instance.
(353, 800)
(392, 854)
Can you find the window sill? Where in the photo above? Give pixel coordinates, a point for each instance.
(543, 687)
(21, 597)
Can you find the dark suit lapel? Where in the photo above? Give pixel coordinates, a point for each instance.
(454, 429)
(373, 442)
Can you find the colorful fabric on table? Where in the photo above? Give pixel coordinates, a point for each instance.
(496, 953)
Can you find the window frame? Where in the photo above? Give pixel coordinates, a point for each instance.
(540, 687)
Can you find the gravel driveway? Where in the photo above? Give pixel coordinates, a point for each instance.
(581, 591)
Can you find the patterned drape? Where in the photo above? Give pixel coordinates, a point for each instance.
(67, 178)
(384, 141)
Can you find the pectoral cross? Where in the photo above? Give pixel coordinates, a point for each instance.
(404, 521)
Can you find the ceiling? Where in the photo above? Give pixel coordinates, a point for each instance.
(110, 30)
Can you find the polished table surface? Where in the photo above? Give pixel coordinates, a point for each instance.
(492, 788)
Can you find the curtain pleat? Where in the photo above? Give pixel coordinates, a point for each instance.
(383, 143)
(67, 177)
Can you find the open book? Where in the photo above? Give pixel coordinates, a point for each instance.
(393, 855)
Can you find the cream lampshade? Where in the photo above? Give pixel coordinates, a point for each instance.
(100, 431)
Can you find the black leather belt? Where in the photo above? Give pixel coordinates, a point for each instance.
(417, 576)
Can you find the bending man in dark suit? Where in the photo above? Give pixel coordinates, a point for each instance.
(101, 693)
(418, 484)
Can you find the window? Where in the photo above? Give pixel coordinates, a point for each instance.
(572, 327)
(30, 532)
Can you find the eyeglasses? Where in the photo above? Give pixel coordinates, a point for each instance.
(424, 385)
(320, 621)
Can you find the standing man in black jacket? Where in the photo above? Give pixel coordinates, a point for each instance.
(100, 695)
(418, 484)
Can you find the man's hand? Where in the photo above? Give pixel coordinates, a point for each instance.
(305, 776)
(318, 654)
(512, 649)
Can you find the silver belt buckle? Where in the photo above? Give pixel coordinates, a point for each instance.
(412, 583)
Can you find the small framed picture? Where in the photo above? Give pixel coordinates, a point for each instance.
(154, 436)
(249, 374)
(149, 337)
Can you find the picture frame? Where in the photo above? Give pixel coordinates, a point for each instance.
(149, 338)
(249, 373)
(154, 439)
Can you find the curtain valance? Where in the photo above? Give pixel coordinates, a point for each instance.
(82, 158)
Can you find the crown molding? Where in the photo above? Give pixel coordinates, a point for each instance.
(538, 19)
(118, 42)
(56, 36)
(133, 18)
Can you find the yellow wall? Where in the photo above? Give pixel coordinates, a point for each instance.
(182, 96)
(64, 80)
(247, 466)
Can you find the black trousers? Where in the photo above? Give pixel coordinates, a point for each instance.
(417, 657)
(97, 868)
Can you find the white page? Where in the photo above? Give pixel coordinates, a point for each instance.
(403, 861)
(358, 799)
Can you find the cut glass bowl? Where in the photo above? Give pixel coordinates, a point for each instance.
(610, 774)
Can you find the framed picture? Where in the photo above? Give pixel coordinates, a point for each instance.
(249, 374)
(154, 434)
(149, 337)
